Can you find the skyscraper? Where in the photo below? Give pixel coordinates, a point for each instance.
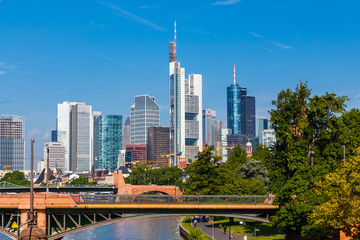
(224, 143)
(241, 111)
(75, 130)
(158, 144)
(144, 113)
(96, 139)
(126, 133)
(54, 135)
(248, 117)
(12, 142)
(211, 127)
(110, 135)
(56, 155)
(185, 108)
(234, 107)
(262, 124)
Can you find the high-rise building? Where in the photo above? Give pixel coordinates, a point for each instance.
(236, 139)
(96, 139)
(121, 158)
(185, 109)
(75, 130)
(12, 142)
(135, 154)
(110, 135)
(209, 118)
(248, 117)
(241, 111)
(144, 113)
(158, 144)
(262, 124)
(56, 155)
(234, 107)
(211, 127)
(126, 133)
(54, 135)
(224, 152)
(268, 137)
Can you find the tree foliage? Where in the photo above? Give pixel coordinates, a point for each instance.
(16, 177)
(208, 177)
(82, 181)
(148, 174)
(307, 128)
(341, 189)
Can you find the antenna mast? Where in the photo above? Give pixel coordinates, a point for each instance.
(234, 74)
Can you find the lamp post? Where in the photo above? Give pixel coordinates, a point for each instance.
(212, 221)
(256, 230)
(343, 147)
(312, 157)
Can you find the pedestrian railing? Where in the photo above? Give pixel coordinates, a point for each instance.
(169, 199)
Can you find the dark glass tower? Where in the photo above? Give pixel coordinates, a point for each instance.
(234, 108)
(248, 117)
(110, 135)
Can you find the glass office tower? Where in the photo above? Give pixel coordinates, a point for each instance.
(234, 108)
(144, 113)
(12, 142)
(110, 134)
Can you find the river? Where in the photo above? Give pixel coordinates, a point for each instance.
(151, 228)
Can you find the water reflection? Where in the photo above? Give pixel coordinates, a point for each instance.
(140, 228)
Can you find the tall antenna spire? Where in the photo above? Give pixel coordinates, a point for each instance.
(234, 74)
(175, 32)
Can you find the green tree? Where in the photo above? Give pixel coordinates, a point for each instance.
(16, 177)
(82, 181)
(204, 177)
(306, 127)
(146, 174)
(341, 189)
(253, 169)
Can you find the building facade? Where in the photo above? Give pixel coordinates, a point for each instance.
(12, 142)
(56, 155)
(121, 158)
(185, 109)
(248, 117)
(236, 139)
(268, 137)
(158, 144)
(96, 139)
(75, 130)
(224, 152)
(126, 133)
(144, 113)
(234, 108)
(262, 124)
(135, 154)
(54, 135)
(110, 141)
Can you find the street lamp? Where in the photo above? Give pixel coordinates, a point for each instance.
(256, 230)
(312, 157)
(343, 147)
(212, 221)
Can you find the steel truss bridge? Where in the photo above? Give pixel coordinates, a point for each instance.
(62, 214)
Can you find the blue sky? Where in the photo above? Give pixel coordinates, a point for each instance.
(106, 52)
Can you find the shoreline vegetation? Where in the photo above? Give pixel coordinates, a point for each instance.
(266, 232)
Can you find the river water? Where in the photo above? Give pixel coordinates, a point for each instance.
(151, 228)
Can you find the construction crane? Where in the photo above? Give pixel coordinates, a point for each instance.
(7, 167)
(169, 157)
(218, 147)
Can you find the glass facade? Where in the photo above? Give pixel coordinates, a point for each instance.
(12, 142)
(144, 113)
(110, 135)
(234, 108)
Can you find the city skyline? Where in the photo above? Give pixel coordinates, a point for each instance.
(48, 58)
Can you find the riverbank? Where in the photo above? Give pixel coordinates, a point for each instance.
(264, 231)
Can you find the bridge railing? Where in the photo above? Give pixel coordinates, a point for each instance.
(169, 199)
